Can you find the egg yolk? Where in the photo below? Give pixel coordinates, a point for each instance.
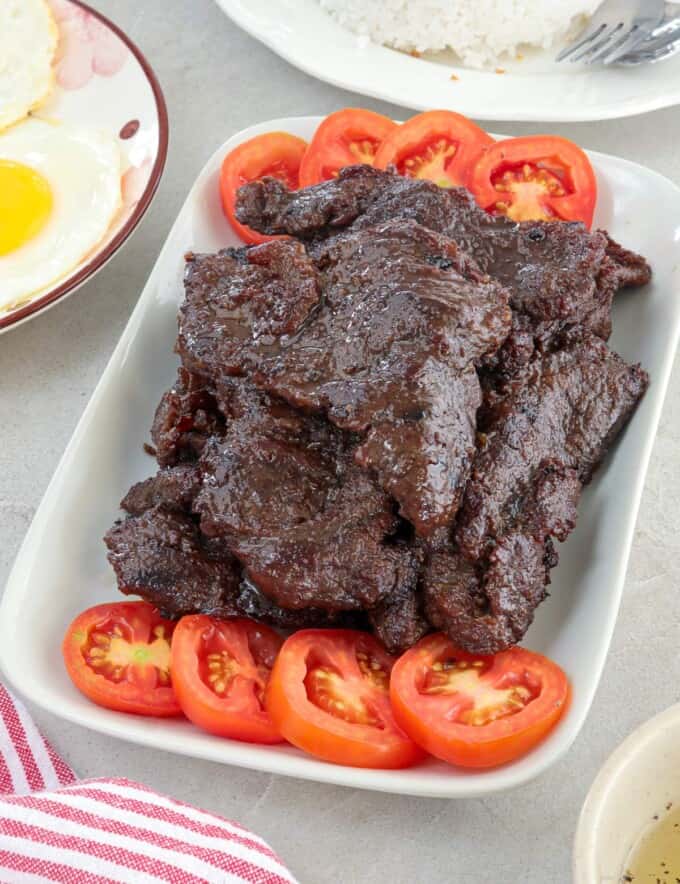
(25, 204)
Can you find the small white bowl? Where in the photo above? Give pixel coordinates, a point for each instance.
(635, 784)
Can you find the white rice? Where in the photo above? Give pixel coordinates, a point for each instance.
(480, 32)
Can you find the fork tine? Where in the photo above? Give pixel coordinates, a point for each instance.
(590, 35)
(594, 50)
(628, 42)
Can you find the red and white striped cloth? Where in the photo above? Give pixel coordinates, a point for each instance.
(54, 827)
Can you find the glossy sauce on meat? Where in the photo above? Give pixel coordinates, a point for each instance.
(383, 422)
(557, 274)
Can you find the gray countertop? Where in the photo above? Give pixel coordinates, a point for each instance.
(217, 80)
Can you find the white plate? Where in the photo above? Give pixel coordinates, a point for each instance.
(62, 566)
(535, 88)
(103, 81)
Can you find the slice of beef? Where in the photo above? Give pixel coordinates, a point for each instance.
(409, 315)
(399, 620)
(487, 607)
(619, 269)
(549, 505)
(545, 438)
(630, 268)
(567, 409)
(186, 416)
(241, 301)
(394, 296)
(421, 443)
(254, 604)
(311, 212)
(308, 525)
(336, 560)
(550, 268)
(274, 467)
(159, 556)
(172, 487)
(558, 274)
(388, 352)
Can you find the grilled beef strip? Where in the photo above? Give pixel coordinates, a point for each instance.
(558, 274)
(408, 315)
(378, 321)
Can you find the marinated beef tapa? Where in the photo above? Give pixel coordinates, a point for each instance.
(174, 488)
(566, 410)
(186, 417)
(488, 606)
(384, 420)
(160, 555)
(557, 273)
(310, 527)
(408, 316)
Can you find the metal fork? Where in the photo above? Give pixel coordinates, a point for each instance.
(663, 43)
(615, 30)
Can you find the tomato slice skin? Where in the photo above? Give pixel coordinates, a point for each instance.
(536, 177)
(440, 146)
(345, 138)
(276, 154)
(316, 670)
(439, 696)
(220, 669)
(118, 655)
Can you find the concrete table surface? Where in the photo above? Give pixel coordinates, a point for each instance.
(217, 80)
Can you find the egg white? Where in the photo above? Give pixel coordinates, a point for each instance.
(83, 168)
(28, 43)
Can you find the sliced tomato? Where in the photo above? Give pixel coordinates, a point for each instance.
(329, 695)
(441, 146)
(275, 154)
(345, 138)
(476, 711)
(536, 178)
(220, 669)
(118, 655)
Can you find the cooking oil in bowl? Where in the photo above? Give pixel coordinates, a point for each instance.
(655, 858)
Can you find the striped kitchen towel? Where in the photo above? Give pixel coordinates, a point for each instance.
(54, 827)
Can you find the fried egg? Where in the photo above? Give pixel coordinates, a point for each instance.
(28, 43)
(60, 189)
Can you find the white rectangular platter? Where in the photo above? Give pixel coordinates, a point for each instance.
(62, 568)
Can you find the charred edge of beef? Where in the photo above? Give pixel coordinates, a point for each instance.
(567, 409)
(488, 607)
(186, 416)
(172, 487)
(253, 603)
(399, 620)
(159, 555)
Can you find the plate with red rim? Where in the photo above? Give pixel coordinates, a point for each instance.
(102, 81)
(62, 568)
